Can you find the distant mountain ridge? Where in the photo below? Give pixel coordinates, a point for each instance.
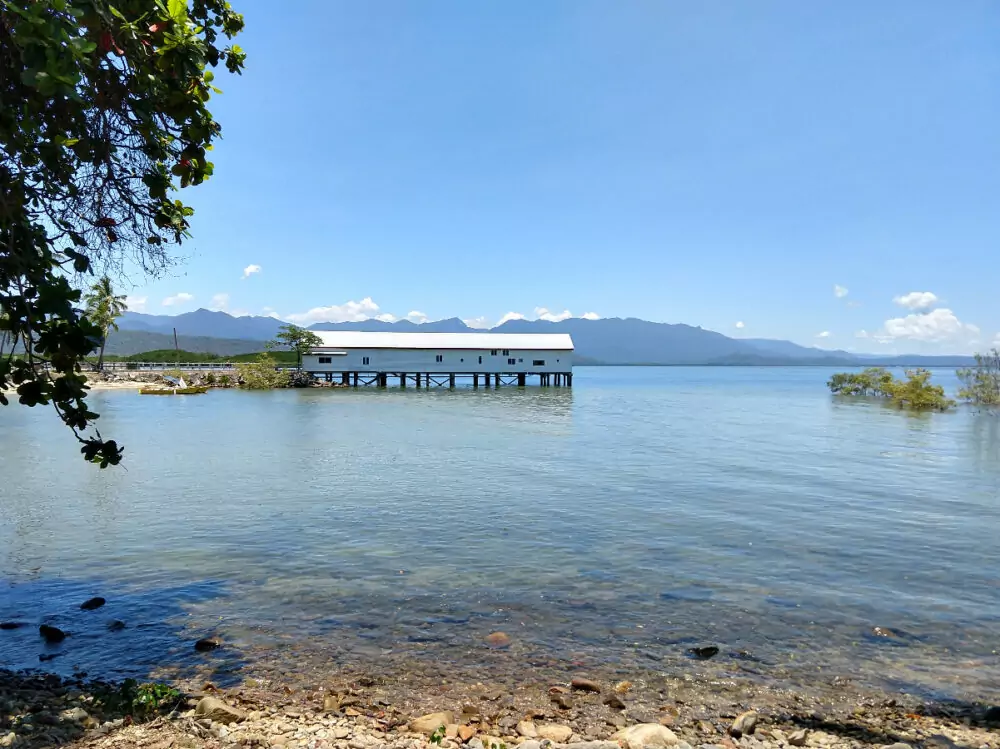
(605, 341)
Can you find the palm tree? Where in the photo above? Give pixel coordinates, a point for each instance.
(103, 308)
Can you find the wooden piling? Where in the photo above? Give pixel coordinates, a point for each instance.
(451, 380)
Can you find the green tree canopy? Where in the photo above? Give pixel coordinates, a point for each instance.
(298, 340)
(981, 383)
(103, 309)
(104, 116)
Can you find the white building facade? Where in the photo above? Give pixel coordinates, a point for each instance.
(401, 354)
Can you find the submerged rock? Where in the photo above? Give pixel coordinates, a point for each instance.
(218, 711)
(585, 685)
(498, 640)
(116, 625)
(93, 603)
(992, 716)
(709, 651)
(207, 643)
(51, 634)
(645, 735)
(10, 625)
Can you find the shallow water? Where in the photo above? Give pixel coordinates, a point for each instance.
(641, 512)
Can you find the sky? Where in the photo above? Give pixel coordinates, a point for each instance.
(824, 172)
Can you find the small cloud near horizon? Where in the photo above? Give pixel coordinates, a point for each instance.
(510, 316)
(542, 313)
(478, 323)
(347, 312)
(590, 316)
(840, 291)
(824, 334)
(251, 269)
(740, 325)
(180, 298)
(415, 316)
(136, 303)
(220, 302)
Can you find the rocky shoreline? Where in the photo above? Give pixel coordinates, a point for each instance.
(410, 710)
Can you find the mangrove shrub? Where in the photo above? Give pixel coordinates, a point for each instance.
(981, 383)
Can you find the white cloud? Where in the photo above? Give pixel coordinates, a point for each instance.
(740, 325)
(269, 312)
(181, 298)
(479, 323)
(590, 316)
(824, 334)
(347, 312)
(416, 316)
(934, 326)
(510, 316)
(386, 317)
(839, 291)
(136, 303)
(916, 300)
(251, 269)
(543, 314)
(220, 302)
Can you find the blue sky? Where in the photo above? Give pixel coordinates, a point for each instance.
(719, 164)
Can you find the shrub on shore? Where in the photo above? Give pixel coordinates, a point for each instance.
(261, 374)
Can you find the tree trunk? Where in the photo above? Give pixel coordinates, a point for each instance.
(298, 360)
(100, 357)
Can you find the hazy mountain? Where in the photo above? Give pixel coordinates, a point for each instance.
(203, 322)
(125, 342)
(605, 341)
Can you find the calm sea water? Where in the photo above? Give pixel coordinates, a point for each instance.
(645, 510)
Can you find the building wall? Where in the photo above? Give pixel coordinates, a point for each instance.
(458, 361)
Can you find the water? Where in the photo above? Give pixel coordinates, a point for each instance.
(641, 512)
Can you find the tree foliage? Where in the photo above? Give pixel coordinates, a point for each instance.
(262, 373)
(874, 381)
(298, 340)
(916, 393)
(104, 116)
(104, 308)
(981, 384)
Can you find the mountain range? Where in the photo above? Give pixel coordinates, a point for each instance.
(605, 341)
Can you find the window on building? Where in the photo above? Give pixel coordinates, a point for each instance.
(439, 358)
(538, 363)
(365, 360)
(520, 361)
(493, 352)
(512, 361)
(326, 360)
(480, 360)
(506, 352)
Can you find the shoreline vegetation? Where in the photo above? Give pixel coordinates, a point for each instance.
(980, 386)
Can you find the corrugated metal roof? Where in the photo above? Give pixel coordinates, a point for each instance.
(346, 339)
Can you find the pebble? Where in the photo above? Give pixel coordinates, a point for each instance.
(218, 711)
(614, 702)
(645, 735)
(428, 724)
(585, 685)
(527, 729)
(554, 732)
(744, 724)
(798, 738)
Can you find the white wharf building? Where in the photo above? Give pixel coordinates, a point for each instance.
(359, 358)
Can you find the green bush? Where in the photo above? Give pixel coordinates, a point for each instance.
(981, 384)
(261, 374)
(915, 393)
